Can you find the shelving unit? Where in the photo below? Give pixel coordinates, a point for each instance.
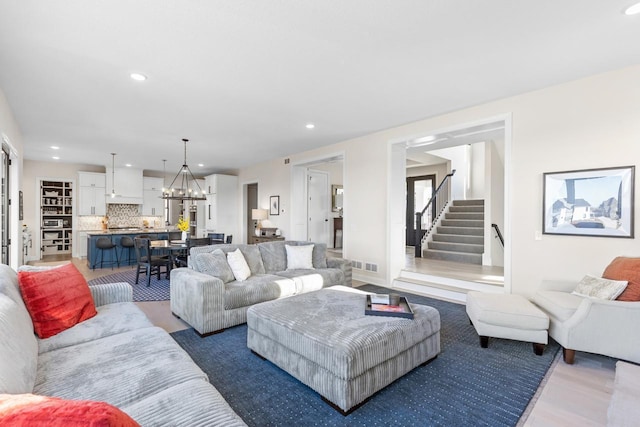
(56, 212)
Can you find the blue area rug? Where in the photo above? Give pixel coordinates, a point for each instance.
(465, 386)
(158, 291)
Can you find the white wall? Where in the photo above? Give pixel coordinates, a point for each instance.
(588, 123)
(459, 158)
(477, 170)
(9, 129)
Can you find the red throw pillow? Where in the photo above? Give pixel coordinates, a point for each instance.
(57, 299)
(30, 410)
(623, 268)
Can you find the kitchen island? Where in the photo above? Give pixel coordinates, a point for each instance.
(93, 254)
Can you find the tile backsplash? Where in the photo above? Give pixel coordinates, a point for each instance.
(119, 215)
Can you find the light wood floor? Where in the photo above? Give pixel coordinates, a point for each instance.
(571, 395)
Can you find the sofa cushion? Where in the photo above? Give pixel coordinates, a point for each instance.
(251, 254)
(18, 347)
(238, 265)
(299, 257)
(256, 289)
(119, 369)
(274, 254)
(624, 268)
(191, 403)
(214, 264)
(111, 319)
(597, 287)
(557, 304)
(22, 410)
(308, 279)
(57, 299)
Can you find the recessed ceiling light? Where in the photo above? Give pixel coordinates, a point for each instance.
(128, 165)
(632, 10)
(201, 165)
(56, 158)
(55, 147)
(139, 77)
(310, 125)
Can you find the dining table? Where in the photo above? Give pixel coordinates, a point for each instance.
(173, 248)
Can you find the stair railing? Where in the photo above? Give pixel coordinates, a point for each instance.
(433, 209)
(498, 233)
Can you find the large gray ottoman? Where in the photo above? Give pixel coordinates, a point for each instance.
(324, 339)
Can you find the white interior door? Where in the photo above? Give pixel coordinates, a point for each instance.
(318, 206)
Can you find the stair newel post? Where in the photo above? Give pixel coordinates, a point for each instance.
(418, 245)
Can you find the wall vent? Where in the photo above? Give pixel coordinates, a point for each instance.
(371, 267)
(356, 264)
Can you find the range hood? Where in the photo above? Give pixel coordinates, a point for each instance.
(128, 186)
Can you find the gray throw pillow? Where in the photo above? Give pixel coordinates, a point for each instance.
(214, 264)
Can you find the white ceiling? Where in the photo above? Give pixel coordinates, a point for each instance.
(241, 78)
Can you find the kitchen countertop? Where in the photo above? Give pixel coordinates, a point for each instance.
(127, 231)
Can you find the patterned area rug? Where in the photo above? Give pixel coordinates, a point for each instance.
(465, 386)
(158, 291)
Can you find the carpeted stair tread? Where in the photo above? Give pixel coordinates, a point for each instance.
(456, 247)
(469, 202)
(465, 215)
(473, 231)
(466, 209)
(457, 238)
(462, 223)
(452, 256)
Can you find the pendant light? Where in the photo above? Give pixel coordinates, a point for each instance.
(113, 175)
(185, 188)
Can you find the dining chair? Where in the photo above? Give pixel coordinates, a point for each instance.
(151, 264)
(183, 260)
(216, 238)
(175, 235)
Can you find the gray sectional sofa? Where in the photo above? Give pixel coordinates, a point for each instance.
(117, 357)
(207, 299)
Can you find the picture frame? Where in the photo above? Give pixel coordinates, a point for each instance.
(589, 202)
(274, 205)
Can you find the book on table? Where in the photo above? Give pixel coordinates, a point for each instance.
(386, 305)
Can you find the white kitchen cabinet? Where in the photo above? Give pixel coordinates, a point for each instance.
(221, 209)
(91, 191)
(153, 204)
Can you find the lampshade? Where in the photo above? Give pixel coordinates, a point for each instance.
(259, 214)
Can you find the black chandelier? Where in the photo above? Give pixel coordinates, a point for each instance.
(188, 188)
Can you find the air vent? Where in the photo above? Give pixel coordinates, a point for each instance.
(371, 267)
(356, 264)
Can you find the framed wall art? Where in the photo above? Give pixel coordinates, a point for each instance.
(590, 202)
(274, 205)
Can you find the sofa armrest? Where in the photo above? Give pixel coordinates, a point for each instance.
(604, 327)
(344, 265)
(109, 293)
(198, 299)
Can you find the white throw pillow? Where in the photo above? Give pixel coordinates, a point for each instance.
(598, 287)
(299, 257)
(238, 265)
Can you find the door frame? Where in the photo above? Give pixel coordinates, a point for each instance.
(327, 204)
(298, 213)
(396, 164)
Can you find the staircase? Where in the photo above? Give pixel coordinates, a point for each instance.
(460, 235)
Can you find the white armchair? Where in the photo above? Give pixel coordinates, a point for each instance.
(589, 324)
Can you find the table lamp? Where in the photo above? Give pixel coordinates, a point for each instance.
(259, 215)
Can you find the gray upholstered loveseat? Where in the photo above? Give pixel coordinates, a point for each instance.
(206, 300)
(117, 357)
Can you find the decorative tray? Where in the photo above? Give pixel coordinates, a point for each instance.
(378, 308)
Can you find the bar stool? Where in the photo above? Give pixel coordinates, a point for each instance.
(105, 244)
(126, 242)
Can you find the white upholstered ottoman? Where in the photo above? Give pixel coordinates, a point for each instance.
(507, 316)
